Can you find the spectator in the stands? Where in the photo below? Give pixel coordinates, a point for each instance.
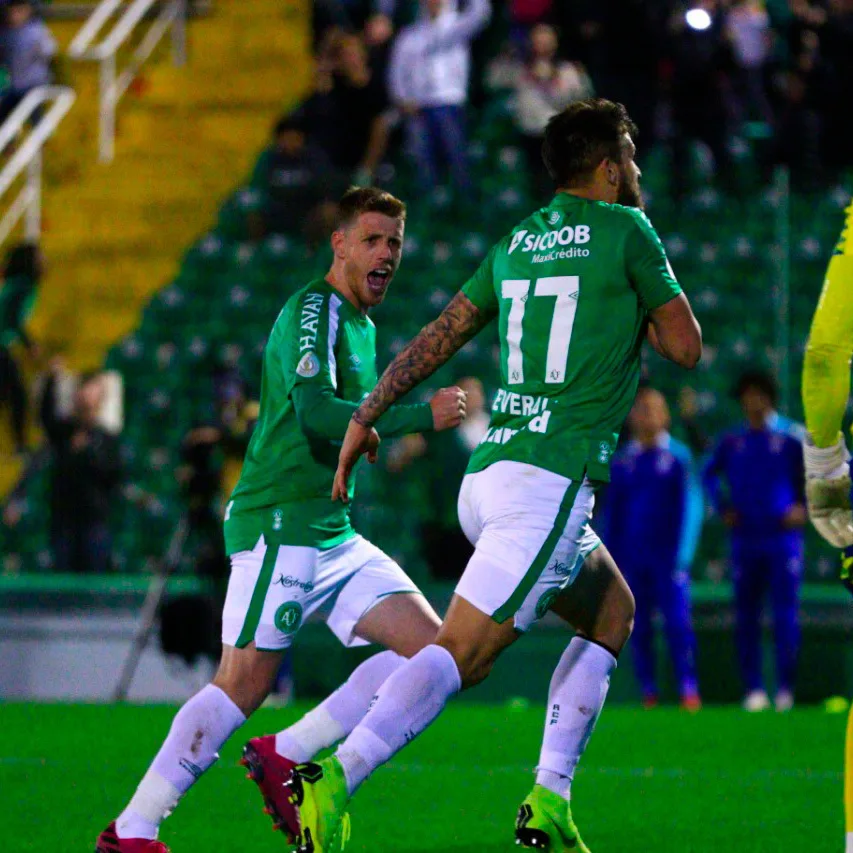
(748, 29)
(543, 85)
(27, 48)
(363, 105)
(20, 280)
(86, 475)
(297, 183)
(212, 456)
(378, 34)
(428, 82)
(445, 547)
(344, 116)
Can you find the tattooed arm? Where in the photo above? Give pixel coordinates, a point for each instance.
(431, 348)
(434, 345)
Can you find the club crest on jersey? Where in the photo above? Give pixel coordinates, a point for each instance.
(554, 217)
(309, 366)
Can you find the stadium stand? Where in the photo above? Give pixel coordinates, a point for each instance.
(113, 234)
(229, 286)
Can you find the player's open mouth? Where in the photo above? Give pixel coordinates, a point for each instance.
(377, 280)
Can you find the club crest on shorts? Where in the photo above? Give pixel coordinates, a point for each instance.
(277, 518)
(288, 617)
(546, 600)
(309, 366)
(604, 452)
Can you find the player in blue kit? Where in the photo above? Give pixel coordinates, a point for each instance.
(755, 479)
(651, 523)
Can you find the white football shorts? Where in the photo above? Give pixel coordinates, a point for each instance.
(531, 534)
(273, 591)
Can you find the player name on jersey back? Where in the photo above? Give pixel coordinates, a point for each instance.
(571, 287)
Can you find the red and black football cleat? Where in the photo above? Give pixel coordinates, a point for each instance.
(275, 776)
(109, 842)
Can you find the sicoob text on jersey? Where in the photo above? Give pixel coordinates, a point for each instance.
(546, 245)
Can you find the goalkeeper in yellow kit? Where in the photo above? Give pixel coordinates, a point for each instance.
(826, 388)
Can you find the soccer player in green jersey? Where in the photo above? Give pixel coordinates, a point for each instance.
(575, 289)
(293, 552)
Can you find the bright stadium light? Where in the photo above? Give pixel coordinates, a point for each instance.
(698, 19)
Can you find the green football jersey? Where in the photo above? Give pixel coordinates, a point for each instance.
(323, 343)
(571, 287)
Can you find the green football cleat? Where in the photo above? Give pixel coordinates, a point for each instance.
(544, 822)
(323, 818)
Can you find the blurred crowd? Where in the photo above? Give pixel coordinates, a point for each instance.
(703, 78)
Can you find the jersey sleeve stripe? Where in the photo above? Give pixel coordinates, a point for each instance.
(334, 309)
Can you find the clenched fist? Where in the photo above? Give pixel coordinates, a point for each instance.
(448, 408)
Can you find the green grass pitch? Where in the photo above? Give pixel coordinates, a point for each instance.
(658, 780)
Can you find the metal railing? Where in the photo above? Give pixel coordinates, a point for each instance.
(28, 156)
(113, 85)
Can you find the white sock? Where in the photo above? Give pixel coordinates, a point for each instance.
(333, 719)
(406, 703)
(575, 699)
(849, 846)
(198, 731)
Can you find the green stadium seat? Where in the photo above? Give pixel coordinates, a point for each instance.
(205, 255)
(234, 213)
